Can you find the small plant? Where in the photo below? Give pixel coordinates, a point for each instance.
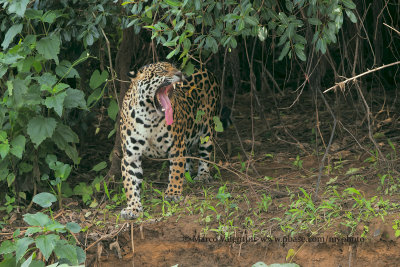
(266, 201)
(9, 205)
(222, 196)
(61, 173)
(298, 162)
(242, 163)
(396, 227)
(43, 234)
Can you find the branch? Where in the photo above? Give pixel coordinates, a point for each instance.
(392, 28)
(341, 84)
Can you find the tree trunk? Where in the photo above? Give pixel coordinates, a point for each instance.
(122, 67)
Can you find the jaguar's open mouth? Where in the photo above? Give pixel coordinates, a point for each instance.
(163, 102)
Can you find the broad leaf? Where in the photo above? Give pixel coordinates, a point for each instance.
(97, 79)
(73, 227)
(40, 128)
(65, 70)
(44, 199)
(56, 102)
(66, 133)
(7, 247)
(11, 33)
(64, 250)
(113, 109)
(49, 47)
(28, 262)
(72, 153)
(218, 124)
(22, 246)
(100, 166)
(18, 146)
(46, 244)
(18, 7)
(37, 219)
(47, 79)
(75, 98)
(4, 149)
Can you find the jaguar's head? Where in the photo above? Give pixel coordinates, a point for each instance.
(156, 83)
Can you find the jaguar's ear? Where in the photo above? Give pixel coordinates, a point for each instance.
(131, 74)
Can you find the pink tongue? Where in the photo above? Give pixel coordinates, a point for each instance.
(166, 104)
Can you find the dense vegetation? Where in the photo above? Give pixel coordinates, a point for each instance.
(63, 67)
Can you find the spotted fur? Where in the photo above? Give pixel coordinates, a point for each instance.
(144, 131)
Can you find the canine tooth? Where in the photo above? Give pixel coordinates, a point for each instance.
(163, 109)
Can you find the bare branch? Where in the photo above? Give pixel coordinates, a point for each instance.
(342, 84)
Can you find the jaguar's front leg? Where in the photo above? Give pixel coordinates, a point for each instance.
(176, 173)
(132, 175)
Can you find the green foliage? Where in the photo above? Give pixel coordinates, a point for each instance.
(298, 162)
(43, 234)
(38, 77)
(198, 28)
(44, 199)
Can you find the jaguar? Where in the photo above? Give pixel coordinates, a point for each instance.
(166, 115)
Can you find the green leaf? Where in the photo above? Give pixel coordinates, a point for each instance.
(33, 230)
(218, 124)
(314, 21)
(22, 246)
(188, 177)
(10, 179)
(46, 244)
(37, 219)
(189, 69)
(18, 146)
(351, 16)
(3, 136)
(56, 227)
(40, 128)
(97, 79)
(47, 79)
(351, 171)
(62, 171)
(56, 102)
(65, 70)
(49, 47)
(33, 13)
(28, 262)
(251, 20)
(7, 247)
(95, 96)
(100, 166)
(4, 149)
(11, 33)
(18, 7)
(299, 49)
(66, 251)
(75, 98)
(285, 51)
(44, 199)
(73, 227)
(66, 133)
(50, 16)
(199, 115)
(349, 4)
(113, 109)
(173, 3)
(72, 154)
(84, 190)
